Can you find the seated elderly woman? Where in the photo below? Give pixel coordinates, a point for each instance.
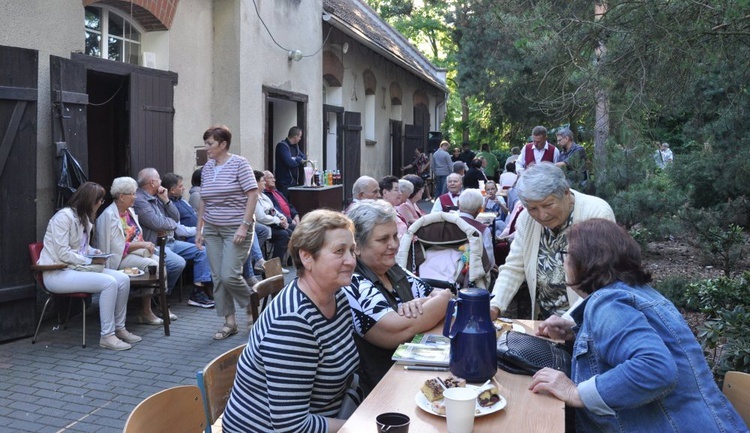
(67, 241)
(469, 204)
(409, 209)
(268, 216)
(541, 237)
(118, 233)
(389, 304)
(294, 370)
(636, 365)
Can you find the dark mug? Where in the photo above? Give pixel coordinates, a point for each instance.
(152, 269)
(392, 422)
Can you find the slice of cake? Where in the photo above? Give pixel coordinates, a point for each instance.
(432, 389)
(489, 396)
(455, 382)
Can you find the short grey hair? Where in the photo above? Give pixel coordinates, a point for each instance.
(123, 185)
(360, 184)
(541, 181)
(366, 215)
(565, 132)
(145, 175)
(470, 201)
(406, 187)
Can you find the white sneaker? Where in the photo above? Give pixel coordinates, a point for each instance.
(113, 343)
(259, 265)
(284, 271)
(126, 336)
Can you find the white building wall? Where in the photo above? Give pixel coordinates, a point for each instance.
(193, 63)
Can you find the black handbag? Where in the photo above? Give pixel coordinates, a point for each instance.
(520, 353)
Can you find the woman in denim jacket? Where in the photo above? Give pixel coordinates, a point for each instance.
(636, 365)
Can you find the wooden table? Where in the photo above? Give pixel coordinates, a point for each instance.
(526, 412)
(307, 199)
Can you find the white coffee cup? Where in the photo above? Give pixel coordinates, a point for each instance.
(460, 406)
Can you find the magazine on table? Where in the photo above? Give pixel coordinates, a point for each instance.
(424, 349)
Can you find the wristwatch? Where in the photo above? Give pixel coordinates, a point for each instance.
(247, 223)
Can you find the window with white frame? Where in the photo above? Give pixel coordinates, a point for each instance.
(112, 36)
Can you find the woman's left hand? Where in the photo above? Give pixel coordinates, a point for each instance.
(240, 235)
(558, 384)
(411, 309)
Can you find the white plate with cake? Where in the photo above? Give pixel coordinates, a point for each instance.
(132, 272)
(489, 399)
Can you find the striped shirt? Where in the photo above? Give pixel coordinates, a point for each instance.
(293, 372)
(224, 189)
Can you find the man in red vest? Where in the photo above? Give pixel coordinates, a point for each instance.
(537, 151)
(449, 201)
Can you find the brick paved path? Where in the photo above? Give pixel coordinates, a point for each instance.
(56, 385)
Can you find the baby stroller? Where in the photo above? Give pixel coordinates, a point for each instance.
(445, 251)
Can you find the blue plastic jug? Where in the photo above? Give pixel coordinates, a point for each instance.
(472, 335)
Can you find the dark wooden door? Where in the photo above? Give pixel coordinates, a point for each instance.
(413, 138)
(399, 158)
(18, 149)
(69, 101)
(352, 151)
(151, 123)
(422, 118)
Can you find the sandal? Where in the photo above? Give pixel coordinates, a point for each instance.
(225, 332)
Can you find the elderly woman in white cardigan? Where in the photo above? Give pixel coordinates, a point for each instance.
(118, 233)
(536, 254)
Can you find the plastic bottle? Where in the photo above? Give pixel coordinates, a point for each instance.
(330, 177)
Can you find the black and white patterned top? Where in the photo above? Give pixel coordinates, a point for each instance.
(368, 304)
(294, 370)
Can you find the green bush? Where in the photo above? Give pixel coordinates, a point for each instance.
(721, 241)
(713, 296)
(675, 289)
(727, 341)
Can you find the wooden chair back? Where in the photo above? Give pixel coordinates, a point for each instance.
(176, 409)
(272, 267)
(263, 292)
(737, 389)
(215, 382)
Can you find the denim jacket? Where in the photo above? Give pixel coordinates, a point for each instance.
(640, 369)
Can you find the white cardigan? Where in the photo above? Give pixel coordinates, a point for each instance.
(521, 263)
(63, 239)
(110, 237)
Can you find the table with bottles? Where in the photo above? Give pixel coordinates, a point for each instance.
(307, 199)
(525, 411)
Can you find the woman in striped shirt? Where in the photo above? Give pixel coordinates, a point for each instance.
(225, 223)
(292, 375)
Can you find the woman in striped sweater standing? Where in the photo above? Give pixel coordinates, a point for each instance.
(292, 375)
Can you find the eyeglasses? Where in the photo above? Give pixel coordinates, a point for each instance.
(101, 200)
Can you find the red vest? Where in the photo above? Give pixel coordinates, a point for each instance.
(549, 154)
(447, 203)
(476, 224)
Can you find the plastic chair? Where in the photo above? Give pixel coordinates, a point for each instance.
(157, 282)
(737, 389)
(215, 382)
(266, 289)
(35, 250)
(176, 409)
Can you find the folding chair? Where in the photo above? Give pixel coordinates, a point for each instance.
(215, 382)
(35, 250)
(176, 409)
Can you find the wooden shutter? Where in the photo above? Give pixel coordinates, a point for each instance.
(18, 149)
(352, 151)
(69, 102)
(151, 123)
(399, 158)
(413, 138)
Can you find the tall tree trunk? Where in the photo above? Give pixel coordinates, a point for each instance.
(601, 122)
(465, 117)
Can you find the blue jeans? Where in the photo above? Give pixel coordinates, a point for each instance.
(263, 233)
(439, 186)
(175, 265)
(188, 251)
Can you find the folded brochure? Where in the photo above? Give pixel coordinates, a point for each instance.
(424, 349)
(99, 256)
